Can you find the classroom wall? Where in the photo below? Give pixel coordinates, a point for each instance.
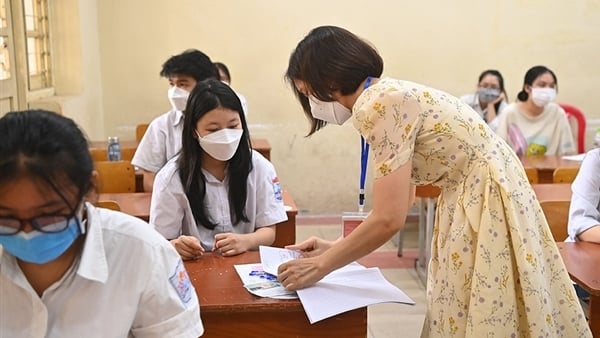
(440, 43)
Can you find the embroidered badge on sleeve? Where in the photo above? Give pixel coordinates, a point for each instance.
(277, 189)
(182, 284)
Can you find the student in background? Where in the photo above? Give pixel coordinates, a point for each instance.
(493, 260)
(65, 266)
(584, 213)
(162, 139)
(225, 76)
(490, 98)
(535, 124)
(218, 194)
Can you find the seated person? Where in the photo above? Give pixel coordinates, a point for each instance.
(218, 194)
(584, 212)
(64, 270)
(225, 76)
(162, 139)
(535, 125)
(490, 98)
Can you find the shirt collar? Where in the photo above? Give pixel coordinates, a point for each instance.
(93, 263)
(178, 118)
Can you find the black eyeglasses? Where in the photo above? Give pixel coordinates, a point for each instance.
(44, 223)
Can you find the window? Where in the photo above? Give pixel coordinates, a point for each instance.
(35, 15)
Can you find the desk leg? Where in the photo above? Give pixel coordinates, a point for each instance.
(426, 223)
(594, 315)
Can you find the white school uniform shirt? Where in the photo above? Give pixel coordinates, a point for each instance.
(161, 142)
(128, 282)
(171, 214)
(584, 212)
(473, 101)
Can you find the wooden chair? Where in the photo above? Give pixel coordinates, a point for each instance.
(115, 176)
(564, 175)
(557, 215)
(101, 154)
(108, 204)
(140, 130)
(532, 175)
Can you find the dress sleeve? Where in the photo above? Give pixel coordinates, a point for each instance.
(584, 212)
(168, 306)
(390, 121)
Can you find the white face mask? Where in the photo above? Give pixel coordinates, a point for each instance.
(331, 112)
(542, 96)
(178, 98)
(221, 144)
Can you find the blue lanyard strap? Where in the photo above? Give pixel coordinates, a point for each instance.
(364, 158)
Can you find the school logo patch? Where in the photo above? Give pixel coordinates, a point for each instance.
(277, 189)
(182, 284)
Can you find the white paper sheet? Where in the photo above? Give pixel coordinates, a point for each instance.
(345, 290)
(262, 284)
(574, 157)
(271, 257)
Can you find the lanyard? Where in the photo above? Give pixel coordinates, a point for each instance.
(364, 158)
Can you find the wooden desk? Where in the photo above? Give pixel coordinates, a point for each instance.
(138, 205)
(582, 260)
(545, 165)
(263, 146)
(552, 192)
(228, 310)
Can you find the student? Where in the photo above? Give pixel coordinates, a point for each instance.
(490, 98)
(495, 270)
(65, 266)
(225, 76)
(584, 212)
(162, 139)
(535, 125)
(219, 194)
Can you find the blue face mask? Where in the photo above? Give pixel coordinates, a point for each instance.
(41, 247)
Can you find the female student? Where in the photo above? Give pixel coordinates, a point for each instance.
(65, 267)
(535, 124)
(490, 98)
(584, 213)
(219, 194)
(494, 270)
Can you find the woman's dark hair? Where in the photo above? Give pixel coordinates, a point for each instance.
(221, 66)
(331, 59)
(191, 62)
(47, 146)
(497, 74)
(532, 74)
(205, 97)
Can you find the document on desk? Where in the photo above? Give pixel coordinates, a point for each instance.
(578, 157)
(260, 283)
(347, 288)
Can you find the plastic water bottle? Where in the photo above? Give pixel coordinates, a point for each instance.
(597, 138)
(114, 149)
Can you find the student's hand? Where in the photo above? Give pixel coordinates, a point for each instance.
(311, 247)
(300, 273)
(231, 244)
(188, 247)
(500, 98)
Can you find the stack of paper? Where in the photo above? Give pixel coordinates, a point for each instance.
(345, 289)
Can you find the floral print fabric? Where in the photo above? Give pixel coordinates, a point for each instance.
(495, 270)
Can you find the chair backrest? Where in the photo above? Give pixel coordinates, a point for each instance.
(564, 175)
(576, 114)
(102, 155)
(140, 130)
(532, 175)
(115, 176)
(108, 204)
(557, 215)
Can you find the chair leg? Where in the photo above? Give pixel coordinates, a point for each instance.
(400, 240)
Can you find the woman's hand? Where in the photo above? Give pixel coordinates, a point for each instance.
(311, 247)
(231, 244)
(498, 99)
(188, 247)
(300, 273)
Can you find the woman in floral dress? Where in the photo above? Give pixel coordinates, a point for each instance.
(495, 270)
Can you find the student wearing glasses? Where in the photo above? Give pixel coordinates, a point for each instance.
(66, 267)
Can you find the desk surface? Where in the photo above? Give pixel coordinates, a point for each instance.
(582, 260)
(228, 310)
(552, 191)
(545, 165)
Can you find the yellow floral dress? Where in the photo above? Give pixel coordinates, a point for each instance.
(495, 270)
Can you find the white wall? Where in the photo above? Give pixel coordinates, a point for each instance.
(445, 44)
